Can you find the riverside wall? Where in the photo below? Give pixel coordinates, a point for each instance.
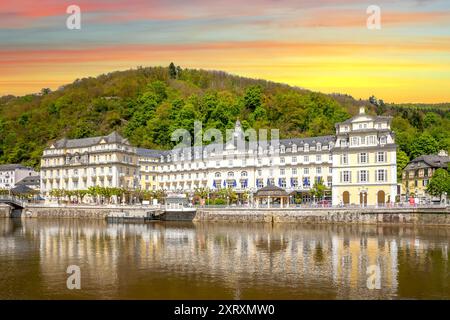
(5, 211)
(412, 216)
(85, 212)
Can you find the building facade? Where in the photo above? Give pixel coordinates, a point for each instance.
(11, 174)
(364, 161)
(358, 164)
(418, 172)
(77, 164)
(148, 168)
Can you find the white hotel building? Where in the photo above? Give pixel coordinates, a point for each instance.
(358, 164)
(75, 164)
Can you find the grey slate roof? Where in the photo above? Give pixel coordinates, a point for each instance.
(30, 180)
(287, 143)
(12, 166)
(113, 137)
(142, 152)
(429, 160)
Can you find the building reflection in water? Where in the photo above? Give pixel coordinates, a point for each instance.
(230, 261)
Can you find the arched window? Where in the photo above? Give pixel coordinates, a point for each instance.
(231, 174)
(243, 173)
(217, 174)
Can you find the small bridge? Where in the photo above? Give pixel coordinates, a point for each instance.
(14, 202)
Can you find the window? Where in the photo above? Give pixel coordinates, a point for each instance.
(294, 182)
(355, 141)
(381, 175)
(282, 160)
(346, 176)
(282, 172)
(294, 159)
(306, 148)
(230, 174)
(344, 158)
(363, 157)
(294, 171)
(318, 158)
(306, 158)
(243, 173)
(381, 156)
(259, 172)
(363, 176)
(217, 174)
(318, 170)
(319, 147)
(372, 140)
(305, 170)
(383, 140)
(282, 182)
(259, 183)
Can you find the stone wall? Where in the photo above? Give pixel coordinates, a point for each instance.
(87, 212)
(5, 211)
(434, 216)
(417, 216)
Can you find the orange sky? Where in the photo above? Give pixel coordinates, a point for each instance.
(322, 45)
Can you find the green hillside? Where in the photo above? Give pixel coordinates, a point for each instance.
(147, 104)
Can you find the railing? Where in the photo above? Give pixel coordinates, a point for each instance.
(13, 199)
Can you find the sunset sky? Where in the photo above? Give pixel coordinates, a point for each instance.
(322, 45)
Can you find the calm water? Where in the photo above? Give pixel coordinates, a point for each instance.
(220, 261)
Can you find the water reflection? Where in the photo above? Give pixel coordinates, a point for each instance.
(223, 261)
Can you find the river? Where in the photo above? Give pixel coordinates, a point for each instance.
(173, 260)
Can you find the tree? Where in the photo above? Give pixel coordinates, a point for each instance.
(439, 183)
(318, 189)
(172, 71)
(425, 144)
(253, 97)
(402, 161)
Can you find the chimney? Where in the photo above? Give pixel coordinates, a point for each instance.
(443, 153)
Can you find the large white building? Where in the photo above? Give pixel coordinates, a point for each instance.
(11, 174)
(106, 161)
(358, 164)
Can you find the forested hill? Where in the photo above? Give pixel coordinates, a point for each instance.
(147, 104)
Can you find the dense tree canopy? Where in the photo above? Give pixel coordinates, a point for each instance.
(147, 104)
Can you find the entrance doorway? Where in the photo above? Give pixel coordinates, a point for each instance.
(346, 197)
(381, 198)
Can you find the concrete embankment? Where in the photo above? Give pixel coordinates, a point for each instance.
(413, 216)
(5, 210)
(86, 212)
(417, 216)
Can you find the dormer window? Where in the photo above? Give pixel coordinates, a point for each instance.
(294, 148)
(306, 147)
(282, 149)
(319, 147)
(383, 140)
